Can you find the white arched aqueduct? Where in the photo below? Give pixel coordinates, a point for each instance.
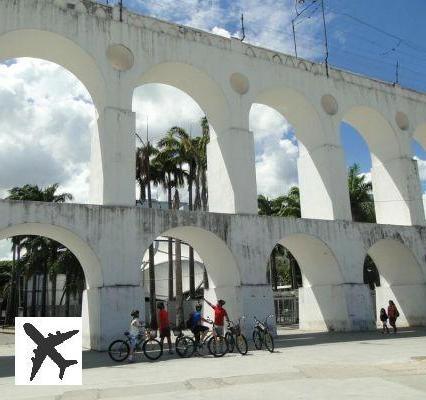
(226, 77)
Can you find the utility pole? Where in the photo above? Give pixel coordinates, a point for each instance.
(397, 73)
(121, 10)
(298, 14)
(242, 27)
(294, 38)
(325, 37)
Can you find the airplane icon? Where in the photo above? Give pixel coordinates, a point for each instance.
(46, 347)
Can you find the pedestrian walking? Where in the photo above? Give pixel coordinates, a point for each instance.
(393, 314)
(384, 319)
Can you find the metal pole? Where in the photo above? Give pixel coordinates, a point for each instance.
(294, 38)
(121, 10)
(325, 37)
(242, 27)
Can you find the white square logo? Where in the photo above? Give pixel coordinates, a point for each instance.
(48, 351)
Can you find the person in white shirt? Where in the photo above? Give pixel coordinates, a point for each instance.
(136, 325)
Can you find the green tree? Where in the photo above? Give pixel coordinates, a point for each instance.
(360, 195)
(146, 173)
(40, 247)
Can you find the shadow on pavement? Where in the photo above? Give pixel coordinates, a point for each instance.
(290, 338)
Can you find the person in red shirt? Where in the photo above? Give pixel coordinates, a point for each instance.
(219, 316)
(164, 326)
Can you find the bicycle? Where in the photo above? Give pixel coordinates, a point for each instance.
(185, 345)
(262, 335)
(146, 342)
(235, 338)
(216, 344)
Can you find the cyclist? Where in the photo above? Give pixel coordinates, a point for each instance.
(219, 316)
(136, 325)
(164, 326)
(197, 328)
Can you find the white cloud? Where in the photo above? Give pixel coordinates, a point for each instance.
(276, 151)
(45, 117)
(221, 32)
(5, 252)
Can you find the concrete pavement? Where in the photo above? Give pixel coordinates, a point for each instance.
(304, 366)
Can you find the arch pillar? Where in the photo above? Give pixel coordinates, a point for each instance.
(105, 313)
(231, 172)
(397, 192)
(335, 307)
(323, 182)
(113, 158)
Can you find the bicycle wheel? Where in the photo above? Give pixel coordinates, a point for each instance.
(230, 340)
(269, 342)
(217, 346)
(152, 349)
(119, 350)
(257, 339)
(185, 346)
(241, 344)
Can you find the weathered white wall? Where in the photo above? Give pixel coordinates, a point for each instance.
(110, 243)
(225, 77)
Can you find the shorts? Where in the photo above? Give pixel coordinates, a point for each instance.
(199, 328)
(132, 341)
(220, 330)
(165, 332)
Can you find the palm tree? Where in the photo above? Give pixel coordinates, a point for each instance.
(169, 164)
(202, 161)
(189, 152)
(6, 279)
(74, 281)
(201, 178)
(360, 195)
(145, 174)
(178, 261)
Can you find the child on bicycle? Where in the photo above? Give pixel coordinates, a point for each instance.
(219, 316)
(195, 325)
(164, 326)
(136, 325)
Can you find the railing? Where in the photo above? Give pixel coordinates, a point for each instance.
(286, 306)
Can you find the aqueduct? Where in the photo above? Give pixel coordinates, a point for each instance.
(226, 77)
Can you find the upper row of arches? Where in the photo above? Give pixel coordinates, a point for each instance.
(301, 105)
(311, 129)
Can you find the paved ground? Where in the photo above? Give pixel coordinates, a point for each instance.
(305, 366)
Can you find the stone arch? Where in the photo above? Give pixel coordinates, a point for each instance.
(52, 47)
(322, 302)
(85, 255)
(298, 110)
(197, 84)
(221, 266)
(89, 262)
(60, 50)
(315, 153)
(401, 280)
(396, 188)
(376, 131)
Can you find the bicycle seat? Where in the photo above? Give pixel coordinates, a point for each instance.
(126, 333)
